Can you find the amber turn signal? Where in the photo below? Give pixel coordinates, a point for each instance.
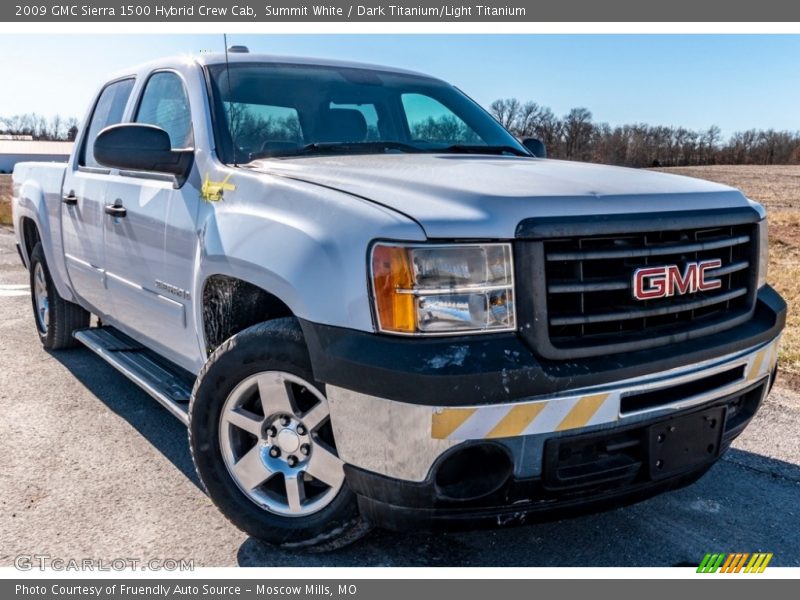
(391, 272)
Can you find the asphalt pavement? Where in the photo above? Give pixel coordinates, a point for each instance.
(92, 467)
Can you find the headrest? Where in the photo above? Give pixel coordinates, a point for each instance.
(342, 125)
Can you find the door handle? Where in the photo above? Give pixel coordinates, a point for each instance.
(115, 210)
(69, 199)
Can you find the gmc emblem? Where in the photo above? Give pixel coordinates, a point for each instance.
(661, 282)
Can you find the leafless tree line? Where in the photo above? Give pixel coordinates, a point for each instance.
(56, 128)
(576, 136)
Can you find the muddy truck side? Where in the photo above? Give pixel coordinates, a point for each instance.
(371, 305)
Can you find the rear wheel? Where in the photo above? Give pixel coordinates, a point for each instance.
(263, 445)
(56, 319)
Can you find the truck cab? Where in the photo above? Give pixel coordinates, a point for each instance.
(371, 305)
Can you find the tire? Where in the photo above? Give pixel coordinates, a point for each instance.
(56, 319)
(245, 376)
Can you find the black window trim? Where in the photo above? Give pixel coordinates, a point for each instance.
(80, 155)
(149, 175)
(137, 107)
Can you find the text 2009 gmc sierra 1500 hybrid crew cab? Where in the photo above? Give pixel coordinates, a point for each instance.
(371, 305)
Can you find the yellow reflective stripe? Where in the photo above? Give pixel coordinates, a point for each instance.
(582, 412)
(448, 420)
(517, 420)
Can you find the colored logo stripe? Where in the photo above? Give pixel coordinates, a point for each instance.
(733, 562)
(710, 563)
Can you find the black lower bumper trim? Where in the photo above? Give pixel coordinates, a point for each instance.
(403, 518)
(501, 368)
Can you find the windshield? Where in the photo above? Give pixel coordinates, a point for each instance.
(279, 110)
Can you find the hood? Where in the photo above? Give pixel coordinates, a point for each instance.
(477, 196)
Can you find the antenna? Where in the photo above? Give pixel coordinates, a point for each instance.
(230, 94)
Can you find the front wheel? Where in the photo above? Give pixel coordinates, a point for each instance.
(263, 445)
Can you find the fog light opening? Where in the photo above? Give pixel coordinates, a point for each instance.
(473, 472)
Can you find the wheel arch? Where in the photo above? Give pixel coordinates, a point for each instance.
(230, 304)
(29, 237)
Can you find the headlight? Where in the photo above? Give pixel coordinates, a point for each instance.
(763, 252)
(441, 289)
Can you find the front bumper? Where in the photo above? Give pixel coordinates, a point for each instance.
(583, 472)
(402, 409)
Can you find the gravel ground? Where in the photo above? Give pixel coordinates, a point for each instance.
(92, 467)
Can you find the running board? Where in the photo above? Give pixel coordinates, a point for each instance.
(168, 384)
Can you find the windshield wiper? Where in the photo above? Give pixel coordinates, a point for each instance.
(478, 149)
(373, 146)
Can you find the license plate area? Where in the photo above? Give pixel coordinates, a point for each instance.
(684, 442)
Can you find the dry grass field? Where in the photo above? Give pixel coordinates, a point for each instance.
(777, 187)
(5, 199)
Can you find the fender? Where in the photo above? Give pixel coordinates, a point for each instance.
(277, 234)
(44, 209)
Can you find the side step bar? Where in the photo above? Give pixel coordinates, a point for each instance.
(168, 384)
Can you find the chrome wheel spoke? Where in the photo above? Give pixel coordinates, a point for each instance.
(40, 298)
(286, 445)
(295, 492)
(316, 416)
(250, 470)
(274, 395)
(325, 466)
(244, 420)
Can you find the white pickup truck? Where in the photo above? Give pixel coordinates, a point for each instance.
(372, 305)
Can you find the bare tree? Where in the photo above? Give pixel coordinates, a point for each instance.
(506, 111)
(577, 133)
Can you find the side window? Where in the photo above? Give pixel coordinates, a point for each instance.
(165, 104)
(431, 121)
(107, 111)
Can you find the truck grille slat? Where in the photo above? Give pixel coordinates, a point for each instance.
(650, 312)
(606, 285)
(587, 306)
(643, 252)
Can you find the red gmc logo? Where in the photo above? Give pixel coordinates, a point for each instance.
(662, 282)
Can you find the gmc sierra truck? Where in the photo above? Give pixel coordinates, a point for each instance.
(372, 305)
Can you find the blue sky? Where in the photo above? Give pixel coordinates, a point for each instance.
(733, 81)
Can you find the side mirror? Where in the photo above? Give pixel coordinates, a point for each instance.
(139, 147)
(535, 147)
